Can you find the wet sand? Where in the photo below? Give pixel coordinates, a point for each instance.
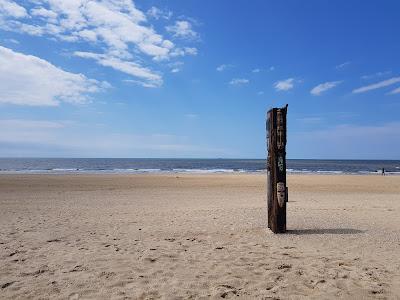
(183, 236)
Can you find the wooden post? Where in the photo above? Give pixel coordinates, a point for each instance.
(277, 192)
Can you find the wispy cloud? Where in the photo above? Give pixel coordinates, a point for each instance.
(157, 13)
(377, 74)
(260, 93)
(239, 81)
(343, 65)
(191, 116)
(31, 124)
(182, 29)
(395, 91)
(377, 85)
(223, 67)
(323, 87)
(284, 85)
(176, 66)
(256, 71)
(310, 120)
(177, 52)
(30, 80)
(13, 41)
(150, 79)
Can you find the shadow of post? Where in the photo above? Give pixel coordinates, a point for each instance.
(325, 231)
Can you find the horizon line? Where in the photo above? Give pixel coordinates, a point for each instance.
(189, 158)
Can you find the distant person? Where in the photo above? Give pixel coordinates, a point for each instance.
(383, 172)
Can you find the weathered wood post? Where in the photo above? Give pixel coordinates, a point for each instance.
(277, 192)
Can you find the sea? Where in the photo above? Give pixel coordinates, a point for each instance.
(163, 165)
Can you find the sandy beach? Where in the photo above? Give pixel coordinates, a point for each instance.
(182, 236)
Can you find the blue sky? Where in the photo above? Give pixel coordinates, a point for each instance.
(118, 78)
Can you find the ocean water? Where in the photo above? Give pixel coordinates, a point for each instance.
(151, 165)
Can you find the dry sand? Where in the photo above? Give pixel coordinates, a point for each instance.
(197, 236)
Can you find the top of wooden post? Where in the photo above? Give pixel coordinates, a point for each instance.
(285, 107)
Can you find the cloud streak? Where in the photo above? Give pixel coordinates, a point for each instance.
(377, 85)
(148, 77)
(223, 67)
(343, 65)
(30, 124)
(395, 91)
(284, 85)
(239, 81)
(323, 87)
(377, 74)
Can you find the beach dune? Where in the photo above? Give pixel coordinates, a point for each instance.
(182, 236)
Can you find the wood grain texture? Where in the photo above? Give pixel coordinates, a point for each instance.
(276, 175)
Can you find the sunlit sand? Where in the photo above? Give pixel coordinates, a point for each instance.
(192, 236)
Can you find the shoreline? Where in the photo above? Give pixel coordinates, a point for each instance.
(195, 172)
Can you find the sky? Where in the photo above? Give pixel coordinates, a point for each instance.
(194, 79)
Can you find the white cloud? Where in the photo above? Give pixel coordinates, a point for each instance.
(395, 91)
(256, 71)
(176, 66)
(177, 52)
(191, 116)
(310, 120)
(378, 85)
(149, 78)
(29, 80)
(13, 41)
(343, 65)
(141, 83)
(190, 50)
(42, 12)
(377, 74)
(30, 124)
(319, 89)
(182, 29)
(284, 85)
(114, 27)
(157, 13)
(10, 8)
(239, 81)
(223, 67)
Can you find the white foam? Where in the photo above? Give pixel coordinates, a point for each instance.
(330, 172)
(206, 170)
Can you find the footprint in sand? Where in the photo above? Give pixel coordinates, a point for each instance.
(150, 259)
(284, 267)
(74, 296)
(7, 284)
